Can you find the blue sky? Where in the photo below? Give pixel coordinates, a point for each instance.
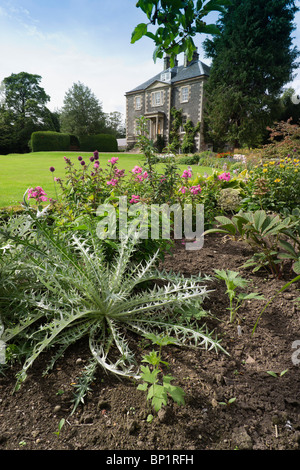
(67, 41)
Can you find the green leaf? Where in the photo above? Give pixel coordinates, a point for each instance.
(149, 376)
(139, 31)
(296, 267)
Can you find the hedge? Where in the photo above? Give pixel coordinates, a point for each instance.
(49, 141)
(100, 142)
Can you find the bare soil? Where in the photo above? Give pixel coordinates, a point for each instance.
(265, 414)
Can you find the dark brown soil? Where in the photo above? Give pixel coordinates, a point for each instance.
(264, 416)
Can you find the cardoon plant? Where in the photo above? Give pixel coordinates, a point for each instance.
(68, 290)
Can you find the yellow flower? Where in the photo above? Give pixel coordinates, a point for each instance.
(272, 163)
(296, 170)
(265, 164)
(281, 165)
(277, 180)
(265, 170)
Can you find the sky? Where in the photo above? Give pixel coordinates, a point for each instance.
(87, 41)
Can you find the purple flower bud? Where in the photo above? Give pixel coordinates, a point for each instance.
(92, 159)
(52, 169)
(82, 163)
(80, 158)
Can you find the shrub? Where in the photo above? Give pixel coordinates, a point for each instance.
(49, 141)
(101, 142)
(275, 184)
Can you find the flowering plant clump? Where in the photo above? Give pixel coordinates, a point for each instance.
(225, 176)
(38, 194)
(281, 183)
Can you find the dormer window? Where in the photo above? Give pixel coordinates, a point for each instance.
(165, 76)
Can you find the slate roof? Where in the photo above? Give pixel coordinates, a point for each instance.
(193, 70)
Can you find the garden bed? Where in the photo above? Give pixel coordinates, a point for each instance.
(265, 414)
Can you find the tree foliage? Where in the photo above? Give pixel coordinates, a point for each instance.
(252, 60)
(82, 112)
(177, 22)
(23, 111)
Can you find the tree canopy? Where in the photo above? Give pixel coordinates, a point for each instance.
(23, 110)
(177, 22)
(251, 61)
(82, 112)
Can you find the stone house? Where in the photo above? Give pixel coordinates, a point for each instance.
(181, 87)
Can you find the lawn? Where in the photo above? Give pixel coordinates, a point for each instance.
(22, 171)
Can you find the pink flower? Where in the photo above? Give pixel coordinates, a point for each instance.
(134, 199)
(37, 193)
(113, 182)
(186, 174)
(195, 189)
(113, 160)
(182, 189)
(142, 177)
(96, 165)
(137, 169)
(224, 176)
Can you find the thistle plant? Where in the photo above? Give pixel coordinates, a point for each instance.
(66, 290)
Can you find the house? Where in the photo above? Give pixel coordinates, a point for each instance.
(181, 87)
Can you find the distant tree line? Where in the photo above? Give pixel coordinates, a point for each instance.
(23, 110)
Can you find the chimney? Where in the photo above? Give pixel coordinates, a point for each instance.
(194, 58)
(166, 62)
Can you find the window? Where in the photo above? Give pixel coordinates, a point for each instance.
(138, 102)
(157, 98)
(184, 94)
(165, 76)
(184, 121)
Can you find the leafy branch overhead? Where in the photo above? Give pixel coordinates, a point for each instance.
(177, 22)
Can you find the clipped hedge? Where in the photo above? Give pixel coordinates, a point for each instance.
(101, 142)
(49, 141)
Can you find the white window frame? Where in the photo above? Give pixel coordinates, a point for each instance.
(154, 98)
(138, 103)
(184, 94)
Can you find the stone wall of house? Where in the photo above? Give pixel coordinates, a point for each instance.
(187, 95)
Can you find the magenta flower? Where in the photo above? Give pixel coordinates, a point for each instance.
(182, 189)
(113, 182)
(113, 160)
(195, 189)
(224, 176)
(79, 158)
(37, 193)
(137, 170)
(134, 199)
(186, 174)
(96, 165)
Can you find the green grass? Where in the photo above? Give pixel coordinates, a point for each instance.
(18, 172)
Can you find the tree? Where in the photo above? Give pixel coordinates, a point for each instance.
(177, 21)
(115, 124)
(24, 97)
(82, 112)
(251, 61)
(23, 110)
